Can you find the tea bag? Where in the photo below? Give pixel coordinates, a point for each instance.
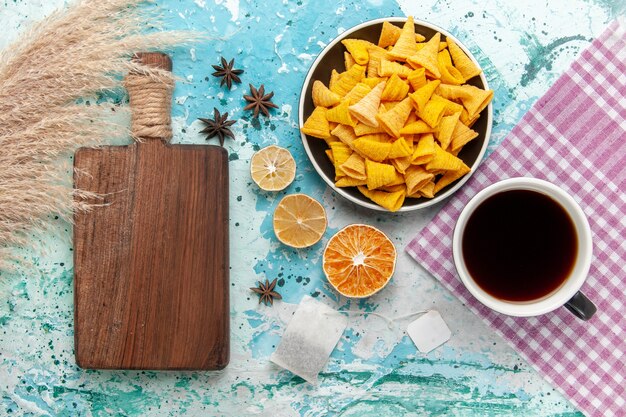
(429, 331)
(309, 339)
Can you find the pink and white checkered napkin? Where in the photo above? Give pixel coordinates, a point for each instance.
(574, 137)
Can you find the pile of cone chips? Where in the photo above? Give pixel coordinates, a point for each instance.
(397, 117)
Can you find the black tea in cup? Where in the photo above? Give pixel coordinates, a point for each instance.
(519, 245)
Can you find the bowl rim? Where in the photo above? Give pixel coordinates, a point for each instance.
(328, 181)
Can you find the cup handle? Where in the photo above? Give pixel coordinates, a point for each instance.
(580, 306)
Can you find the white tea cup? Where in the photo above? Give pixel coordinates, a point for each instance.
(567, 294)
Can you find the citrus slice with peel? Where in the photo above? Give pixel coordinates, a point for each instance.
(299, 221)
(273, 168)
(359, 260)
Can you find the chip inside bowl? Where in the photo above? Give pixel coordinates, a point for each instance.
(403, 110)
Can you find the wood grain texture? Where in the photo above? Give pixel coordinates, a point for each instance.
(154, 59)
(151, 267)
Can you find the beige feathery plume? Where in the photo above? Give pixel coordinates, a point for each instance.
(75, 53)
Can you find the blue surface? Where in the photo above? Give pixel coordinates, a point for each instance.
(375, 370)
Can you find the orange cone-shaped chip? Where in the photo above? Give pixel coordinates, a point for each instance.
(362, 129)
(466, 120)
(461, 136)
(405, 45)
(373, 82)
(331, 139)
(379, 174)
(347, 80)
(349, 182)
(474, 99)
(412, 118)
(329, 154)
(395, 89)
(461, 61)
(417, 78)
(398, 180)
(451, 176)
(417, 127)
(381, 137)
(345, 134)
(416, 177)
(341, 152)
(450, 106)
(389, 68)
(317, 125)
(366, 109)
(354, 167)
(421, 96)
(443, 161)
(394, 119)
(376, 55)
(390, 33)
(449, 74)
(341, 114)
(386, 106)
(427, 191)
(394, 188)
(427, 56)
(446, 129)
(399, 149)
(477, 100)
(358, 49)
(334, 77)
(432, 112)
(322, 96)
(401, 164)
(371, 149)
(424, 151)
(357, 93)
(390, 201)
(348, 60)
(453, 92)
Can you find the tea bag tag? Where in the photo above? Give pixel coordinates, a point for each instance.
(429, 331)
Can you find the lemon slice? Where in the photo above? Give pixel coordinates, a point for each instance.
(273, 168)
(299, 221)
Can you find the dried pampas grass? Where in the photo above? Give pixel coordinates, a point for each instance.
(74, 54)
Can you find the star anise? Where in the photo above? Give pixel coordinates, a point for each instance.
(259, 101)
(227, 72)
(218, 126)
(266, 292)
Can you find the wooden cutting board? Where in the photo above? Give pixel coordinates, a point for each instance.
(151, 267)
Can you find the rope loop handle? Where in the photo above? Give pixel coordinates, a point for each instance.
(150, 86)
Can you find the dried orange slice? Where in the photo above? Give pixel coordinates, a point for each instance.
(359, 260)
(299, 221)
(273, 168)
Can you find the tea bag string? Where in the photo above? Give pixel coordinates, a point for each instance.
(391, 321)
